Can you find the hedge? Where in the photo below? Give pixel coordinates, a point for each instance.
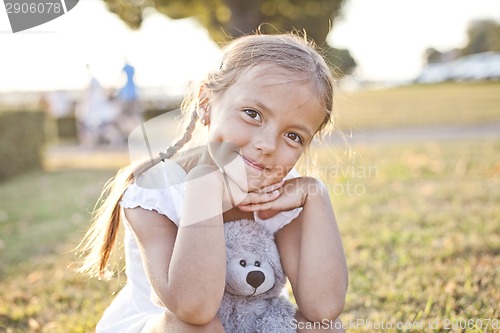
(22, 135)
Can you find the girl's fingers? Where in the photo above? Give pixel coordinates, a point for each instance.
(251, 207)
(263, 206)
(258, 198)
(270, 188)
(265, 194)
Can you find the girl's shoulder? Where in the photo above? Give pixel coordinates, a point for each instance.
(161, 189)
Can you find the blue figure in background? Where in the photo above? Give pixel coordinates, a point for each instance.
(129, 91)
(131, 110)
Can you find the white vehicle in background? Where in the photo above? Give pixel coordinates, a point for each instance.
(474, 67)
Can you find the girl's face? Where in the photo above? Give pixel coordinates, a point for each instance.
(267, 118)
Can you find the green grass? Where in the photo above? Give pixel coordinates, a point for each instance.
(420, 229)
(441, 104)
(420, 225)
(42, 216)
(419, 222)
(40, 209)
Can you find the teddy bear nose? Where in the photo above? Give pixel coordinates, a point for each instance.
(255, 278)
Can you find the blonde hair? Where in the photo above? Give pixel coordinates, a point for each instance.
(287, 51)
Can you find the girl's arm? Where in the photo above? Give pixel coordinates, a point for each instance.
(310, 247)
(186, 266)
(313, 257)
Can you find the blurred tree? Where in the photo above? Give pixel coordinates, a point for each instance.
(225, 19)
(484, 35)
(340, 60)
(433, 56)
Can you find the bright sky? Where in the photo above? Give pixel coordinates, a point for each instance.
(386, 37)
(166, 53)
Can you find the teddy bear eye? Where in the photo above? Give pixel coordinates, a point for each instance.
(243, 263)
(257, 264)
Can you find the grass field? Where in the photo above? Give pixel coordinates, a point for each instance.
(443, 104)
(421, 229)
(420, 224)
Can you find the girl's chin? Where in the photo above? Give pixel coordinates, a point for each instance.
(256, 183)
(253, 181)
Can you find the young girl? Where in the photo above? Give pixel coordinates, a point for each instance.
(260, 110)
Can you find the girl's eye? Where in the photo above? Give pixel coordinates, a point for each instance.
(294, 137)
(243, 263)
(253, 114)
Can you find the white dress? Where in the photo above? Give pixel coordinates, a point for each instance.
(161, 189)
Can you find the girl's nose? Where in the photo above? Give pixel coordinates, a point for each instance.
(265, 142)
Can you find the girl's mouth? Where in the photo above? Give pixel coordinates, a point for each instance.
(253, 164)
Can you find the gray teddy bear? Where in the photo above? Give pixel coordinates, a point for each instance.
(252, 301)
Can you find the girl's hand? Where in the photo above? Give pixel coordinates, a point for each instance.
(236, 196)
(213, 193)
(237, 190)
(293, 194)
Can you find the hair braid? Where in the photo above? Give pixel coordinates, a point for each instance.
(188, 133)
(100, 239)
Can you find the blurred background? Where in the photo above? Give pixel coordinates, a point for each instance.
(413, 166)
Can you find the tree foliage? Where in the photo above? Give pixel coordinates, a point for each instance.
(484, 35)
(433, 56)
(225, 19)
(340, 60)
